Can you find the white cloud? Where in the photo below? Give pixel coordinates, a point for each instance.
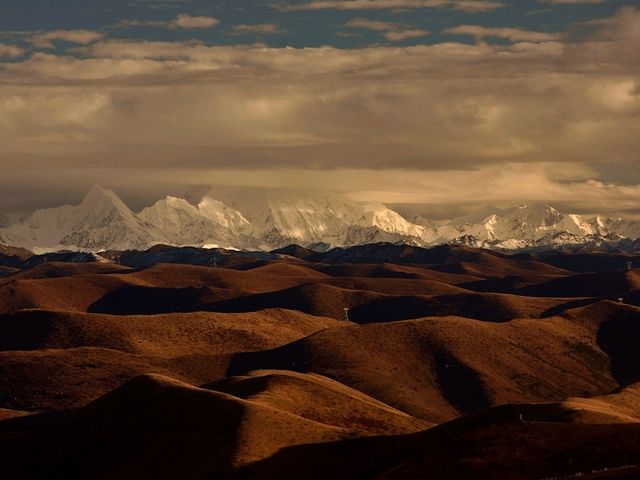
(191, 22)
(504, 183)
(393, 32)
(399, 35)
(513, 34)
(47, 39)
(11, 51)
(182, 21)
(475, 5)
(260, 29)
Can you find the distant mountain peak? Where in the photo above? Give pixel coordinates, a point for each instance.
(272, 218)
(96, 192)
(99, 199)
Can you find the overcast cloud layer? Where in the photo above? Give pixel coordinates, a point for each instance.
(496, 115)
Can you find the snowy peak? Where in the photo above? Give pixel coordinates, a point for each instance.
(100, 221)
(274, 217)
(208, 223)
(98, 194)
(221, 214)
(270, 218)
(99, 207)
(538, 219)
(387, 220)
(519, 225)
(535, 215)
(285, 215)
(168, 211)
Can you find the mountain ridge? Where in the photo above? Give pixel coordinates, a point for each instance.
(270, 218)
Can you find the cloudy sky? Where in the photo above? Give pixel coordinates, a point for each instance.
(444, 104)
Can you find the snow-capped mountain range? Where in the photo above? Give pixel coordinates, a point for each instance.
(266, 219)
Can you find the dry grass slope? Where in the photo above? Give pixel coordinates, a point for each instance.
(456, 364)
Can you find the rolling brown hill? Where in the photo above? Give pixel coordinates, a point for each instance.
(491, 307)
(166, 428)
(450, 365)
(69, 287)
(165, 335)
(456, 364)
(62, 269)
(315, 299)
(586, 285)
(580, 262)
(508, 442)
(6, 271)
(81, 356)
(320, 399)
(388, 270)
(594, 438)
(6, 414)
(49, 380)
(11, 254)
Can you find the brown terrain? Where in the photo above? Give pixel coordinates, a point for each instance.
(448, 363)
